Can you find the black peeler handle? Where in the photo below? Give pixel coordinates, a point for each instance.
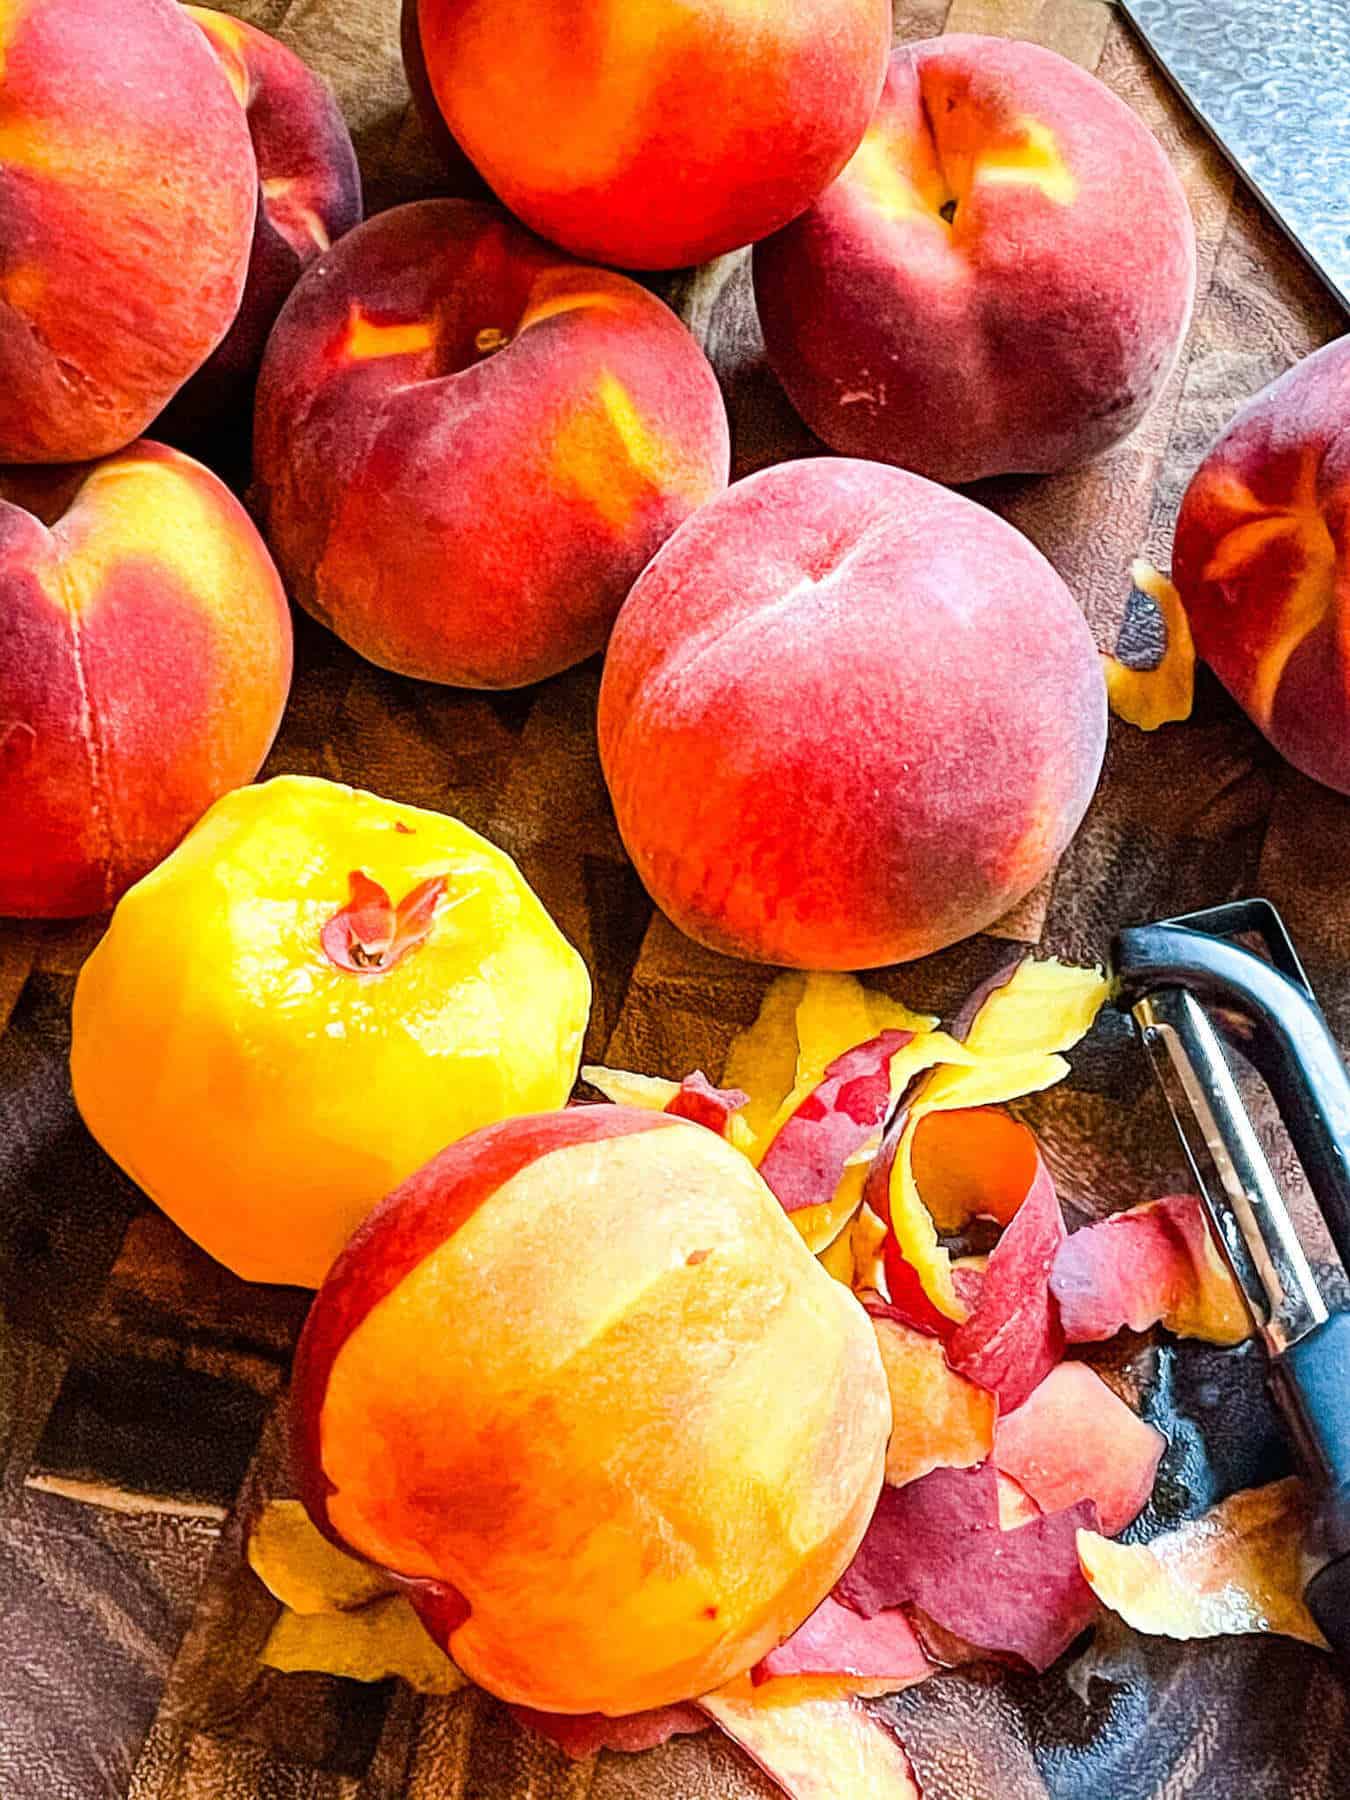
(1268, 1010)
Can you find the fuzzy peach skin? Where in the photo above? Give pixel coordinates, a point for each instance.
(309, 195)
(999, 281)
(1262, 562)
(127, 195)
(652, 1431)
(847, 717)
(662, 133)
(147, 662)
(467, 446)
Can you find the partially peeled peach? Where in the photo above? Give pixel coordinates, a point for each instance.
(580, 1386)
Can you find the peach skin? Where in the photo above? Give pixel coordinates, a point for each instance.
(847, 718)
(127, 194)
(653, 1431)
(1262, 562)
(657, 134)
(998, 282)
(467, 446)
(309, 195)
(343, 985)
(148, 660)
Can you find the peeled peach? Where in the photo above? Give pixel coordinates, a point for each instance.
(658, 133)
(582, 1388)
(1000, 279)
(847, 717)
(127, 195)
(317, 991)
(147, 660)
(467, 445)
(1262, 562)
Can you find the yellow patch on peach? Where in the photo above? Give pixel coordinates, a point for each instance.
(231, 49)
(585, 464)
(569, 300)
(1307, 600)
(157, 497)
(899, 179)
(367, 341)
(1035, 161)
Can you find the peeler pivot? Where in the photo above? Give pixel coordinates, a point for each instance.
(1186, 981)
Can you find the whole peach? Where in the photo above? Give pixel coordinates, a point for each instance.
(147, 661)
(658, 134)
(652, 1430)
(977, 294)
(1262, 562)
(309, 195)
(127, 195)
(847, 717)
(467, 445)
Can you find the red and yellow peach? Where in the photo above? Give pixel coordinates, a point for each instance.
(147, 662)
(979, 293)
(309, 195)
(1262, 562)
(847, 717)
(652, 1432)
(659, 134)
(127, 195)
(467, 446)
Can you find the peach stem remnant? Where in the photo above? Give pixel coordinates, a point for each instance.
(369, 934)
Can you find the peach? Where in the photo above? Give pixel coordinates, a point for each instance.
(309, 195)
(467, 446)
(847, 718)
(652, 1432)
(1000, 279)
(342, 986)
(1262, 562)
(127, 194)
(659, 134)
(147, 662)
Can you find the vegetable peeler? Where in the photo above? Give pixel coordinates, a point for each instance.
(1231, 974)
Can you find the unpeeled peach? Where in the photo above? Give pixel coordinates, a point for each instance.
(147, 661)
(1000, 279)
(1262, 562)
(467, 445)
(127, 195)
(847, 717)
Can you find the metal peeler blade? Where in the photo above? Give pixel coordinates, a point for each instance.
(1190, 983)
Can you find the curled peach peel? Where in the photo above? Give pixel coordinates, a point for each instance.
(1236, 1569)
(1156, 1264)
(818, 1749)
(301, 1568)
(385, 1638)
(1164, 692)
(941, 1419)
(939, 1544)
(1073, 1439)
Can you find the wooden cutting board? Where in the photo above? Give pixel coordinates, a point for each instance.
(141, 1387)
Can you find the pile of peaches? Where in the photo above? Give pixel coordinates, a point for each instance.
(848, 715)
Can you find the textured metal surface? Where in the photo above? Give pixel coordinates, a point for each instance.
(1271, 80)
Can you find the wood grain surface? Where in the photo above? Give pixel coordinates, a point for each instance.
(141, 1388)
